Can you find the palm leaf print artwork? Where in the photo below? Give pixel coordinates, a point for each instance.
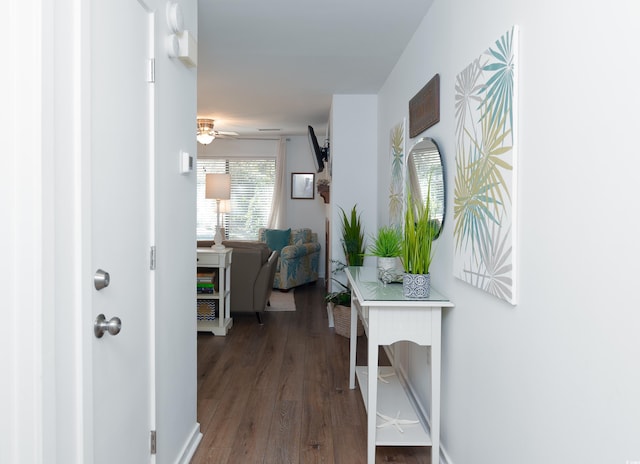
(484, 191)
(397, 169)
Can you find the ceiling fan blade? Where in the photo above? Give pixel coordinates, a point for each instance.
(235, 134)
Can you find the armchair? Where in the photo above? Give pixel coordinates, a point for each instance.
(298, 260)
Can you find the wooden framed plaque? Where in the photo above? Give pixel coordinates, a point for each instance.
(424, 107)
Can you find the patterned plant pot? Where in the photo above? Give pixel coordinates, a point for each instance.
(416, 286)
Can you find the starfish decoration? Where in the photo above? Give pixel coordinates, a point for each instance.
(395, 421)
(381, 377)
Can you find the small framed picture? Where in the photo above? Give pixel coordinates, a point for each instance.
(302, 185)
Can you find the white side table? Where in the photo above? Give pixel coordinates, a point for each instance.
(220, 260)
(387, 318)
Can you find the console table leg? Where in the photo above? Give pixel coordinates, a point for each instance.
(436, 356)
(372, 383)
(353, 341)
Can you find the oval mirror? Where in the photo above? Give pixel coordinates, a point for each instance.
(425, 177)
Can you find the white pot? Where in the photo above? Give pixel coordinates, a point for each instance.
(388, 270)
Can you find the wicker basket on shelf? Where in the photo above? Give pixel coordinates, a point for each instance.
(342, 321)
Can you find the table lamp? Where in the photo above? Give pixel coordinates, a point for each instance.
(218, 187)
(224, 208)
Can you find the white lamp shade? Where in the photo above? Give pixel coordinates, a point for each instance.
(218, 186)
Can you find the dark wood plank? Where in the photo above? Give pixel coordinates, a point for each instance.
(254, 429)
(211, 455)
(292, 371)
(316, 438)
(226, 419)
(284, 434)
(350, 445)
(206, 410)
(270, 356)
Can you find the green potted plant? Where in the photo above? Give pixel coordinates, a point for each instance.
(352, 238)
(340, 297)
(417, 249)
(339, 302)
(387, 247)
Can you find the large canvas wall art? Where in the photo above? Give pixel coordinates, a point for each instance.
(397, 174)
(485, 179)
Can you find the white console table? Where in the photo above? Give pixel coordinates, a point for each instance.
(220, 260)
(387, 318)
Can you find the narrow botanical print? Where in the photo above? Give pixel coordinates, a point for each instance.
(485, 178)
(397, 169)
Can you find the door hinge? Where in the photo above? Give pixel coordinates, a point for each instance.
(152, 258)
(151, 71)
(153, 442)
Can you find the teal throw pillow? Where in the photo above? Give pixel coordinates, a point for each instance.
(277, 239)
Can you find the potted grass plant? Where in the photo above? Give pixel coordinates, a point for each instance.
(417, 249)
(353, 247)
(352, 237)
(387, 247)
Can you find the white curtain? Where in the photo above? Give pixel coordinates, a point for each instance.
(277, 219)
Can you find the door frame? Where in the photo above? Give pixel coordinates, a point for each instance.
(74, 388)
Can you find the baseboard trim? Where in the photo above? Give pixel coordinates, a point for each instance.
(191, 446)
(444, 457)
(330, 314)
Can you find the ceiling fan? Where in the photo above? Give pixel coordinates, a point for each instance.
(206, 134)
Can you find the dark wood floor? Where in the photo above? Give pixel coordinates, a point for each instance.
(279, 393)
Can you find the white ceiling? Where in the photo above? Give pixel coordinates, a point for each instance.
(274, 64)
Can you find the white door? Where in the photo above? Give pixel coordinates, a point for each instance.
(121, 199)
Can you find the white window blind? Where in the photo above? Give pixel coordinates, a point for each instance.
(252, 184)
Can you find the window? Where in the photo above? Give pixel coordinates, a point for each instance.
(252, 184)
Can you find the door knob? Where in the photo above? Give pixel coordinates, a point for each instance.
(101, 326)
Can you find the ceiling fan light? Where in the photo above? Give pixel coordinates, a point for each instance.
(205, 139)
(205, 134)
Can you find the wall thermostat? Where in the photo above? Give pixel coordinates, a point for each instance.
(186, 162)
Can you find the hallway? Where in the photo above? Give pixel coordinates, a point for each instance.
(278, 393)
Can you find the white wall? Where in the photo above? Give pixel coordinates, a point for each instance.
(354, 168)
(304, 213)
(555, 378)
(175, 215)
